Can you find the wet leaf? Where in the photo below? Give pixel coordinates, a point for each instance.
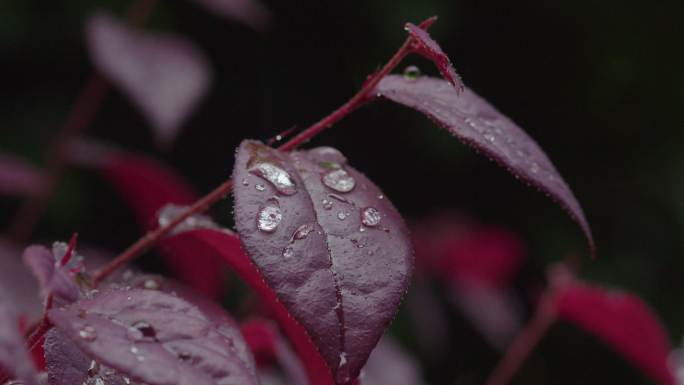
(332, 247)
(165, 75)
(156, 338)
(622, 321)
(476, 123)
(424, 45)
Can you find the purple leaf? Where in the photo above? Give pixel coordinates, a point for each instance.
(424, 45)
(18, 283)
(476, 123)
(391, 364)
(156, 338)
(250, 12)
(13, 355)
(51, 275)
(328, 242)
(165, 75)
(18, 177)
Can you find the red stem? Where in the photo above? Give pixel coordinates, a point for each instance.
(356, 101)
(84, 109)
(525, 342)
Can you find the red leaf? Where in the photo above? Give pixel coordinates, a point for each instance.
(476, 123)
(226, 245)
(18, 177)
(332, 247)
(424, 45)
(165, 75)
(622, 321)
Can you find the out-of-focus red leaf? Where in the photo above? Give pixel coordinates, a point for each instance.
(266, 343)
(329, 243)
(148, 187)
(18, 177)
(475, 122)
(226, 245)
(424, 45)
(249, 12)
(166, 75)
(622, 321)
(18, 284)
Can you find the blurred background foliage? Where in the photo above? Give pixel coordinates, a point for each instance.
(598, 84)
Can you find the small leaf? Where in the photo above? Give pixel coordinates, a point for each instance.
(332, 247)
(18, 177)
(249, 12)
(476, 123)
(52, 277)
(13, 355)
(165, 75)
(156, 338)
(622, 321)
(424, 45)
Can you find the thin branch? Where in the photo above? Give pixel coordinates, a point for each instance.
(360, 98)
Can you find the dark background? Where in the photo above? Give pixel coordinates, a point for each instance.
(598, 84)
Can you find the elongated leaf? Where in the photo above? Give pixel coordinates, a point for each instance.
(476, 123)
(13, 355)
(156, 338)
(165, 75)
(328, 242)
(424, 45)
(622, 321)
(250, 12)
(226, 245)
(18, 177)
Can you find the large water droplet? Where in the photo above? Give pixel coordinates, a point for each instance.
(279, 178)
(303, 231)
(370, 216)
(288, 252)
(88, 333)
(142, 330)
(269, 216)
(411, 73)
(339, 180)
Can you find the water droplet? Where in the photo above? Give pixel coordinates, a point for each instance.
(339, 180)
(279, 178)
(489, 136)
(279, 138)
(342, 215)
(269, 216)
(94, 368)
(260, 187)
(288, 252)
(343, 359)
(137, 353)
(144, 331)
(411, 73)
(370, 216)
(127, 380)
(327, 204)
(303, 231)
(245, 182)
(88, 333)
(361, 229)
(381, 197)
(534, 167)
(151, 284)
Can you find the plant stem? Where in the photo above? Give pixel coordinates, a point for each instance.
(525, 342)
(356, 101)
(84, 109)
